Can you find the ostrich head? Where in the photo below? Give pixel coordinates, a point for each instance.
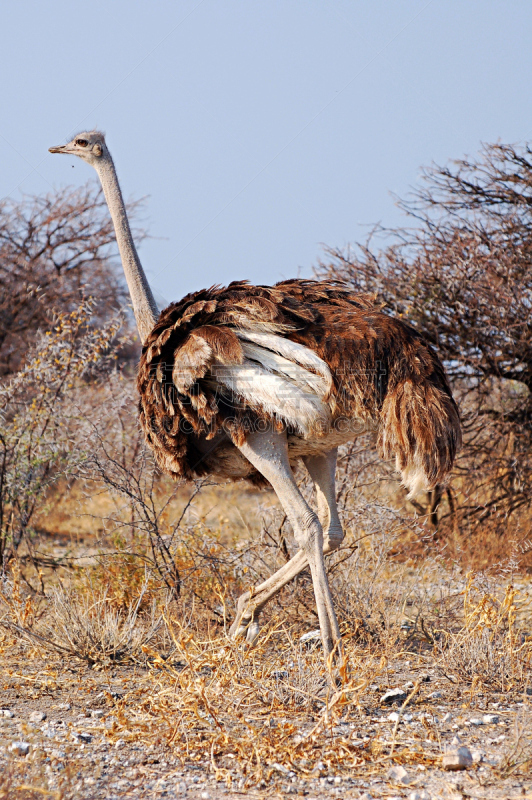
(89, 145)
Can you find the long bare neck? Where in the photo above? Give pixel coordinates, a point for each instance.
(144, 305)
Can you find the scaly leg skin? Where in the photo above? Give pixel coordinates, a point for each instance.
(268, 452)
(322, 470)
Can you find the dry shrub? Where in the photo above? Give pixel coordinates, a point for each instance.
(518, 755)
(82, 622)
(151, 531)
(462, 276)
(491, 648)
(44, 431)
(55, 250)
(384, 599)
(299, 686)
(17, 606)
(154, 529)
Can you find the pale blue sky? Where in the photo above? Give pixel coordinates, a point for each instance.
(259, 129)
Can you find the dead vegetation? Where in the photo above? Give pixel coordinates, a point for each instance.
(253, 719)
(119, 586)
(461, 275)
(55, 251)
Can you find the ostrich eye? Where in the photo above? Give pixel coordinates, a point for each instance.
(82, 142)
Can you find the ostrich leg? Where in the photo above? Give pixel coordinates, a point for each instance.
(322, 470)
(268, 452)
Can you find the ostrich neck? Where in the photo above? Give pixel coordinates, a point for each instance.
(144, 305)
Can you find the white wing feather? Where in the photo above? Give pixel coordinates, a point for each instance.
(279, 396)
(287, 380)
(292, 351)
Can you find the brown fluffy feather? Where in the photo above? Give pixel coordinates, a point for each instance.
(382, 370)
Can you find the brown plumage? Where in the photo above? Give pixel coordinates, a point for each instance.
(204, 364)
(241, 381)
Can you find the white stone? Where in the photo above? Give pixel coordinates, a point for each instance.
(478, 756)
(435, 696)
(5, 712)
(419, 794)
(477, 721)
(393, 717)
(456, 741)
(37, 716)
(80, 737)
(98, 714)
(64, 707)
(447, 718)
(20, 748)
(310, 636)
(490, 719)
(396, 695)
(398, 775)
(460, 758)
(365, 796)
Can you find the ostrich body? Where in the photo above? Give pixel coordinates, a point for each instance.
(243, 381)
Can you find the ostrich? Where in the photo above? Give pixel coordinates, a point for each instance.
(243, 381)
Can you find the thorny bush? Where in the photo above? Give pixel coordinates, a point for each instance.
(489, 648)
(55, 250)
(462, 276)
(43, 428)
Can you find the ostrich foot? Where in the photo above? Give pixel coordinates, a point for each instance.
(246, 620)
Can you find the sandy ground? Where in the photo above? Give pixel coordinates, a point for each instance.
(63, 731)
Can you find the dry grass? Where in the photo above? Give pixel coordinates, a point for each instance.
(491, 648)
(87, 626)
(257, 717)
(123, 589)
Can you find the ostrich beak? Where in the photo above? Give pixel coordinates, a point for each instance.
(61, 148)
